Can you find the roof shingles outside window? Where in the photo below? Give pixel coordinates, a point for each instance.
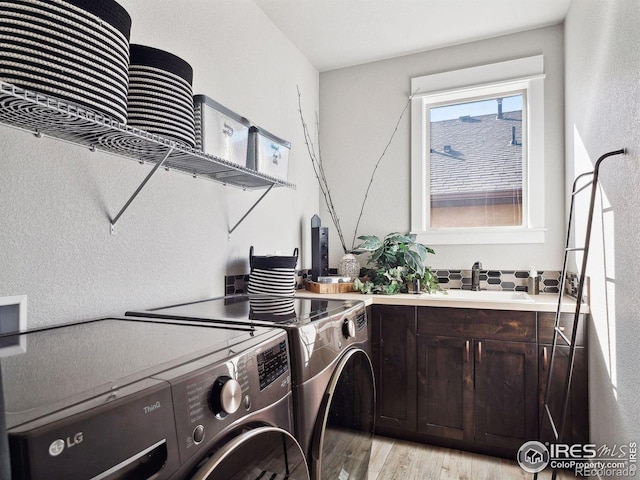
(474, 160)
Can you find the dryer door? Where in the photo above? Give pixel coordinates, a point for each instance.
(263, 452)
(343, 433)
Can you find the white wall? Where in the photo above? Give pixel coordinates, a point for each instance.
(602, 112)
(171, 244)
(359, 108)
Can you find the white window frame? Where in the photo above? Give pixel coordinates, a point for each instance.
(458, 86)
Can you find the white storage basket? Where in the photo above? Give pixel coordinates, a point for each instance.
(268, 154)
(219, 131)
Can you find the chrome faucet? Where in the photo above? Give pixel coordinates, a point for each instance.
(475, 276)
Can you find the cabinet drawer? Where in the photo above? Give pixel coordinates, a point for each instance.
(505, 325)
(546, 323)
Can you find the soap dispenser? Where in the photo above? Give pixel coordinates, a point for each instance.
(534, 282)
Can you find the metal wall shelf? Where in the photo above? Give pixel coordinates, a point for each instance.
(43, 115)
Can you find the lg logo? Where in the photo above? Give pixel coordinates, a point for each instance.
(58, 446)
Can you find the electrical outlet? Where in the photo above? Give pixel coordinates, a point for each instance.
(13, 318)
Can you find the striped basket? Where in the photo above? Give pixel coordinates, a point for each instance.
(272, 308)
(160, 97)
(74, 50)
(272, 275)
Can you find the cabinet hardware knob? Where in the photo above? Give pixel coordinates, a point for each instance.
(545, 361)
(466, 346)
(479, 352)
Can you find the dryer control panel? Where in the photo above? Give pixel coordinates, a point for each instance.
(272, 363)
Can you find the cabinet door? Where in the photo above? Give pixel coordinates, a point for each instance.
(445, 387)
(577, 422)
(546, 322)
(506, 383)
(393, 345)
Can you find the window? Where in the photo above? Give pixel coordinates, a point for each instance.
(477, 154)
(476, 163)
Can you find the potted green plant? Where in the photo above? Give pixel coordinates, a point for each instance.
(395, 263)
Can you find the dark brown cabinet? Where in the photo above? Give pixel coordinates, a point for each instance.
(445, 387)
(468, 378)
(577, 423)
(481, 379)
(506, 407)
(393, 347)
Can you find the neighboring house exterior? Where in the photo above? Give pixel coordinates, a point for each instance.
(476, 170)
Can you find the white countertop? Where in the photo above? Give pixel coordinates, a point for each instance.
(486, 299)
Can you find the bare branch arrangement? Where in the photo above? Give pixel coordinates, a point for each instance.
(375, 168)
(318, 168)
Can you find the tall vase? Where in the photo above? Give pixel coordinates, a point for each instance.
(348, 266)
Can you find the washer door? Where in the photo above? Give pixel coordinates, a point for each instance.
(343, 433)
(264, 452)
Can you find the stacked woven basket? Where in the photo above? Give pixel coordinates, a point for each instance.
(160, 97)
(78, 51)
(74, 50)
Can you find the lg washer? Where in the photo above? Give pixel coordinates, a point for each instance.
(116, 399)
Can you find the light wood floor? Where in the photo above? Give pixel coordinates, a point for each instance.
(399, 460)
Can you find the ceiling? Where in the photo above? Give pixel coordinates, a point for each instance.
(340, 33)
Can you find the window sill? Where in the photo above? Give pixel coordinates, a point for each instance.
(481, 236)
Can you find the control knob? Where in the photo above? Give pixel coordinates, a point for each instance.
(226, 396)
(348, 328)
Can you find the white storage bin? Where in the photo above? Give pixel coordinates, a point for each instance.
(219, 131)
(268, 154)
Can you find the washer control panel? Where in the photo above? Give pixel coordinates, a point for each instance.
(226, 396)
(213, 393)
(348, 328)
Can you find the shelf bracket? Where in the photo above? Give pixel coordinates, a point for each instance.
(250, 210)
(135, 194)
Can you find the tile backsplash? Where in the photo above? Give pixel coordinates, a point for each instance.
(508, 280)
(236, 284)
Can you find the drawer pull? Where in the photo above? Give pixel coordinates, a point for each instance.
(466, 346)
(479, 352)
(545, 358)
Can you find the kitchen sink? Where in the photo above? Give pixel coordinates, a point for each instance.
(481, 296)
